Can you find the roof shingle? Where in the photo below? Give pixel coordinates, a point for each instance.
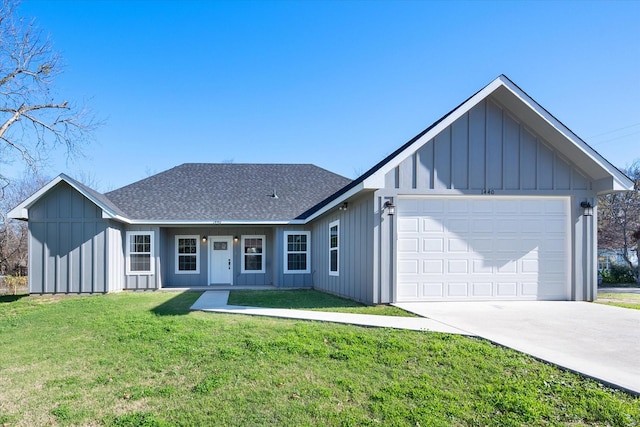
(228, 192)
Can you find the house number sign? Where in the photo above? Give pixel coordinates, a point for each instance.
(489, 191)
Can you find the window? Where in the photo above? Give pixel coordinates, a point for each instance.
(296, 251)
(334, 237)
(187, 254)
(139, 252)
(253, 254)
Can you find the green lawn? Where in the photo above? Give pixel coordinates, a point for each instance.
(620, 299)
(142, 359)
(308, 299)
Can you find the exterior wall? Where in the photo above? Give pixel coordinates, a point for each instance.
(115, 258)
(143, 282)
(291, 280)
(355, 256)
(68, 244)
(486, 150)
(168, 255)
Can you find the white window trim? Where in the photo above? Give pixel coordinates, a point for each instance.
(197, 254)
(264, 254)
(335, 223)
(152, 258)
(307, 252)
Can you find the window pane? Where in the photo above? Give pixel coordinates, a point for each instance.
(187, 246)
(334, 236)
(141, 243)
(253, 262)
(219, 246)
(187, 263)
(334, 260)
(297, 262)
(297, 243)
(140, 262)
(253, 246)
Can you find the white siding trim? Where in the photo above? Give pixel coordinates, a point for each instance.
(263, 253)
(286, 252)
(177, 254)
(335, 272)
(152, 258)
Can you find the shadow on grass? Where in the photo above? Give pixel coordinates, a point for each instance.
(12, 298)
(295, 299)
(179, 305)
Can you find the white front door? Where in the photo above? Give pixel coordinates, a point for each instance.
(221, 260)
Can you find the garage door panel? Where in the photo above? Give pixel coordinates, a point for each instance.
(432, 226)
(458, 266)
(457, 245)
(506, 289)
(408, 266)
(483, 248)
(480, 289)
(408, 224)
(433, 245)
(433, 266)
(409, 245)
(457, 289)
(433, 290)
(480, 266)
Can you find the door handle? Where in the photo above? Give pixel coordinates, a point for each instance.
(229, 261)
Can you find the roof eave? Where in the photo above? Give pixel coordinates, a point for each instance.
(21, 212)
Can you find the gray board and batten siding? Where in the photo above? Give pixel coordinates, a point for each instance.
(355, 256)
(72, 249)
(487, 149)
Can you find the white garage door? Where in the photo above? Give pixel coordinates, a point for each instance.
(482, 248)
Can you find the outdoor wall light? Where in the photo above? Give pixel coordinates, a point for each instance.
(588, 209)
(204, 239)
(344, 206)
(235, 239)
(389, 207)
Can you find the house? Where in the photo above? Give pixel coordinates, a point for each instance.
(495, 200)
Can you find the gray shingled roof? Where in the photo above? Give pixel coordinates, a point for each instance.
(228, 192)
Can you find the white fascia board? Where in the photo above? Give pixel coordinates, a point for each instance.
(22, 210)
(355, 190)
(376, 180)
(210, 222)
(620, 181)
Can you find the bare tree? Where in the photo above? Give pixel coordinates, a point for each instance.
(13, 234)
(32, 120)
(619, 221)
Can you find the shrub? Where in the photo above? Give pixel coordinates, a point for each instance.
(14, 284)
(618, 273)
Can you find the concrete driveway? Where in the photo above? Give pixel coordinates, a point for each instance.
(599, 341)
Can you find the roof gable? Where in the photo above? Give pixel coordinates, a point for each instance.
(606, 177)
(109, 209)
(516, 101)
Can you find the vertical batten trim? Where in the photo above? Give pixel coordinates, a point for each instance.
(486, 143)
(468, 116)
(414, 177)
(451, 172)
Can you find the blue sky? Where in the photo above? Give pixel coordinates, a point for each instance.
(340, 84)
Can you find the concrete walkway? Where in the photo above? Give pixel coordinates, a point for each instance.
(216, 301)
(599, 341)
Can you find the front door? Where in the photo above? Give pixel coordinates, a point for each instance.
(221, 262)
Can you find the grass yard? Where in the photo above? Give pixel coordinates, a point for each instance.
(308, 299)
(142, 359)
(625, 300)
